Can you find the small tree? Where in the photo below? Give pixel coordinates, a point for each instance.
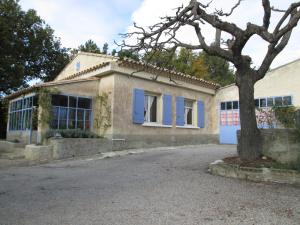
(89, 46)
(163, 36)
(105, 48)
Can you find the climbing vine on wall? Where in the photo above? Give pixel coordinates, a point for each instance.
(44, 102)
(102, 115)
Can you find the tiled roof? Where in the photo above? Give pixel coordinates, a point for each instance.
(47, 84)
(125, 63)
(152, 69)
(166, 72)
(91, 69)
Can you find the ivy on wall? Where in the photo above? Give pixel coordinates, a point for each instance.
(102, 115)
(44, 102)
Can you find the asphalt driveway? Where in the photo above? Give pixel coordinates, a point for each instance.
(166, 186)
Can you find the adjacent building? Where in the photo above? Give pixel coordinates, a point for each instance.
(280, 87)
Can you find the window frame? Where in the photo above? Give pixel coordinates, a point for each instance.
(147, 114)
(76, 108)
(20, 113)
(192, 107)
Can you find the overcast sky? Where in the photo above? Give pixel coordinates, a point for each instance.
(76, 21)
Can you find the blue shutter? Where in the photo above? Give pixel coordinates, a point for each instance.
(138, 106)
(179, 111)
(167, 110)
(201, 117)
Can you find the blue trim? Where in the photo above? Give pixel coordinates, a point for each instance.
(201, 114)
(138, 106)
(167, 110)
(179, 111)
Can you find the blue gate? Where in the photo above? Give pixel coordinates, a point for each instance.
(228, 134)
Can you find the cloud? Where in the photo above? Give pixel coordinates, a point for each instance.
(77, 21)
(150, 11)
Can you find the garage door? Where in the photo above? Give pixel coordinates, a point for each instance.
(229, 122)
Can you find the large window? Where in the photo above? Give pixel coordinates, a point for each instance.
(273, 101)
(71, 112)
(229, 105)
(150, 108)
(20, 113)
(188, 112)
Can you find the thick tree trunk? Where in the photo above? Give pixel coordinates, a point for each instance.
(249, 145)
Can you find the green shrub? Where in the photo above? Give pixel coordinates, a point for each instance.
(71, 133)
(286, 116)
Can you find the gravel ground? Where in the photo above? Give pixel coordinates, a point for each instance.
(170, 186)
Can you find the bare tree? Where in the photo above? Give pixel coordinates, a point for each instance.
(163, 36)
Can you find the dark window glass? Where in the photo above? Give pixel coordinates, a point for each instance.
(223, 106)
(278, 101)
(80, 114)
(84, 103)
(262, 102)
(25, 103)
(189, 117)
(79, 124)
(87, 124)
(62, 124)
(72, 114)
(287, 100)
(270, 102)
(87, 115)
(54, 124)
(60, 100)
(153, 110)
(55, 113)
(256, 102)
(72, 102)
(29, 102)
(228, 105)
(69, 112)
(235, 105)
(35, 100)
(72, 119)
(19, 104)
(63, 113)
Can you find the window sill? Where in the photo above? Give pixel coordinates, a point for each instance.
(188, 127)
(156, 125)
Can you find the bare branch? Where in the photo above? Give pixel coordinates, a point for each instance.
(277, 10)
(221, 13)
(163, 35)
(286, 15)
(267, 14)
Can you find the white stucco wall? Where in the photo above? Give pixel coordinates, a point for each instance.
(281, 81)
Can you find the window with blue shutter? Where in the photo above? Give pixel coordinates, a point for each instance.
(167, 110)
(201, 116)
(138, 106)
(179, 111)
